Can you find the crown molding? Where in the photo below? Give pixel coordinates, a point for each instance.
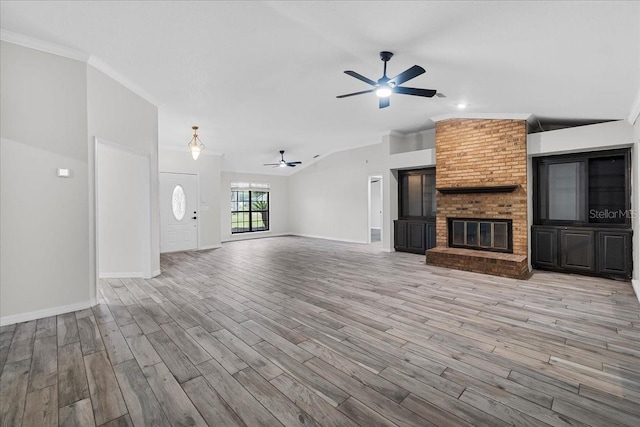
(486, 116)
(108, 70)
(43, 46)
(78, 55)
(635, 109)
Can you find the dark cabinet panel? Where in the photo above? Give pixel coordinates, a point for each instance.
(614, 255)
(545, 247)
(400, 235)
(414, 236)
(577, 249)
(597, 251)
(417, 236)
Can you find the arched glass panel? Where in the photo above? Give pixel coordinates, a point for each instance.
(178, 203)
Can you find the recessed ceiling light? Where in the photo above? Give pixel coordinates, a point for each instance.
(461, 106)
(316, 156)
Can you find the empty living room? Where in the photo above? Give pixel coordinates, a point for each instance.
(314, 213)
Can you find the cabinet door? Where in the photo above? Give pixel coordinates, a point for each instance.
(614, 253)
(400, 235)
(417, 237)
(544, 249)
(577, 249)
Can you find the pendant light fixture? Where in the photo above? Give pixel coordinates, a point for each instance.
(195, 145)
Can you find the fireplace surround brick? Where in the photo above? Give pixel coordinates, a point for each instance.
(481, 152)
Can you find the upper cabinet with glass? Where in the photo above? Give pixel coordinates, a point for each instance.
(585, 189)
(417, 193)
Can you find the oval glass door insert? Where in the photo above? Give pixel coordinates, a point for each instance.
(178, 203)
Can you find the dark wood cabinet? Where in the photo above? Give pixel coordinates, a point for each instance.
(577, 248)
(544, 247)
(414, 236)
(614, 256)
(598, 251)
(400, 234)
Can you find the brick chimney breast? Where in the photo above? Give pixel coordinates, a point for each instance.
(482, 153)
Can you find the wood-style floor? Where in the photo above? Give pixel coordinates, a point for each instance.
(295, 331)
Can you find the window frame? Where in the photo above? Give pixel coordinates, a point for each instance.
(540, 188)
(251, 211)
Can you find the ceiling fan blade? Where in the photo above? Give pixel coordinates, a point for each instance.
(412, 72)
(414, 91)
(355, 93)
(384, 102)
(293, 163)
(360, 77)
(271, 164)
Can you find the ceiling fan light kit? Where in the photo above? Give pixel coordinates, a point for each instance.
(283, 163)
(385, 86)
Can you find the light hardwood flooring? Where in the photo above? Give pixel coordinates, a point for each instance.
(296, 331)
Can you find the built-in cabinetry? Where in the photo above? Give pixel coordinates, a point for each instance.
(600, 251)
(414, 236)
(582, 215)
(415, 230)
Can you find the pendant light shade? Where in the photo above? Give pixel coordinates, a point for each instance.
(195, 145)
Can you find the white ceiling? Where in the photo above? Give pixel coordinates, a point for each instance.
(258, 77)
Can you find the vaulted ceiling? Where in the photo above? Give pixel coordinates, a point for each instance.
(258, 77)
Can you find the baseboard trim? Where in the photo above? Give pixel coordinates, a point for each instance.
(156, 273)
(335, 239)
(255, 235)
(636, 288)
(204, 248)
(125, 275)
(47, 312)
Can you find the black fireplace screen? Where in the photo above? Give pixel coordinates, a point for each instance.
(483, 234)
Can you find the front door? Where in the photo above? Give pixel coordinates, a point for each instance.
(178, 212)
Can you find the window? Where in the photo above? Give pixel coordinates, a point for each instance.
(178, 203)
(417, 193)
(583, 189)
(249, 207)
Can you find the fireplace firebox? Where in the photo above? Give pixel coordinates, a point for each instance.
(494, 235)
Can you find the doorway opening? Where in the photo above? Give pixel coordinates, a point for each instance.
(375, 210)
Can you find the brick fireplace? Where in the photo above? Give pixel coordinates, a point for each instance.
(481, 177)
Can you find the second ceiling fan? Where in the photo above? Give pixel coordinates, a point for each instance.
(283, 163)
(385, 86)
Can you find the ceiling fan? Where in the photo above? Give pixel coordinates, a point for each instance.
(282, 163)
(385, 86)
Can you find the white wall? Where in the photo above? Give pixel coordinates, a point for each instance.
(329, 198)
(601, 136)
(123, 213)
(51, 109)
(44, 219)
(279, 205)
(207, 167)
(118, 115)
